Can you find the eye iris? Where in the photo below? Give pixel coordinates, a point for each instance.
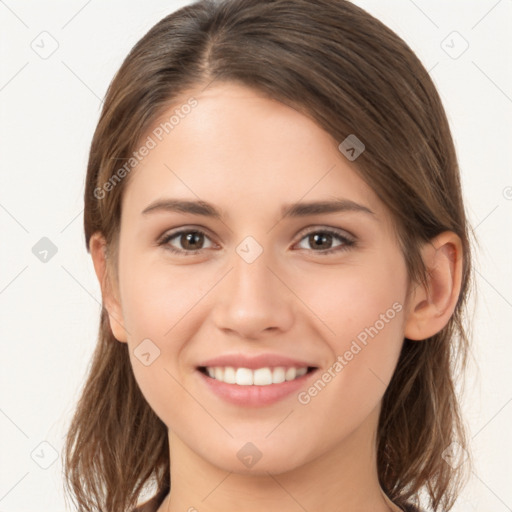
(314, 238)
(191, 237)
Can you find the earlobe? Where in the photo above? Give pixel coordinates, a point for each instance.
(432, 307)
(98, 250)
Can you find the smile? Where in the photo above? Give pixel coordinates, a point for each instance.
(254, 387)
(258, 377)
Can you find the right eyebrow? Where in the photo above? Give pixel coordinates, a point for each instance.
(183, 206)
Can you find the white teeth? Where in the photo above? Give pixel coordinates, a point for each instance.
(290, 374)
(259, 377)
(244, 377)
(279, 374)
(229, 375)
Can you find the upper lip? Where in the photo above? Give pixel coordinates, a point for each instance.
(253, 362)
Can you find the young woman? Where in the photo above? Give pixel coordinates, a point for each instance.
(273, 208)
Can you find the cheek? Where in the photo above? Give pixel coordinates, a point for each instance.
(350, 298)
(158, 305)
(157, 297)
(161, 303)
(362, 320)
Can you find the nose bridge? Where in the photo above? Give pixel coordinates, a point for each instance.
(252, 298)
(252, 279)
(252, 284)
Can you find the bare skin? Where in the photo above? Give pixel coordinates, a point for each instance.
(249, 155)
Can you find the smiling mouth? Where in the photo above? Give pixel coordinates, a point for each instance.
(264, 376)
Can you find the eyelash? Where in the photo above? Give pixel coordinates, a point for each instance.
(347, 242)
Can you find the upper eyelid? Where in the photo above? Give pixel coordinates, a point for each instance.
(337, 231)
(178, 231)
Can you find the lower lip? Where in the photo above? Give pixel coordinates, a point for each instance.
(254, 396)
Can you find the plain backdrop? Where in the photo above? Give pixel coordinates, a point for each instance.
(50, 104)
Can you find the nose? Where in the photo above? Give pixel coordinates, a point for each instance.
(253, 300)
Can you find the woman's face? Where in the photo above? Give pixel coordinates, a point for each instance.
(324, 288)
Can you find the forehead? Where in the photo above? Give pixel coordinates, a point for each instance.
(236, 142)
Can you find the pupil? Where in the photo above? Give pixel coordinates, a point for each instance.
(320, 238)
(191, 238)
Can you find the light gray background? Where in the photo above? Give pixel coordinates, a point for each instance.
(49, 108)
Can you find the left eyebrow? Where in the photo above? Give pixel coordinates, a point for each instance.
(287, 210)
(319, 207)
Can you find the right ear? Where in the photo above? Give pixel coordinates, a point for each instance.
(109, 292)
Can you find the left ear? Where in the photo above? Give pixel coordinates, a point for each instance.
(430, 308)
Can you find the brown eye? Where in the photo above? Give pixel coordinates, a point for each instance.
(189, 241)
(321, 241)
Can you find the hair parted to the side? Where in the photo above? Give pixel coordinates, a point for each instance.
(346, 70)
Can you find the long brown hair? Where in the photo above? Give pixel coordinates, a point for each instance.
(346, 70)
